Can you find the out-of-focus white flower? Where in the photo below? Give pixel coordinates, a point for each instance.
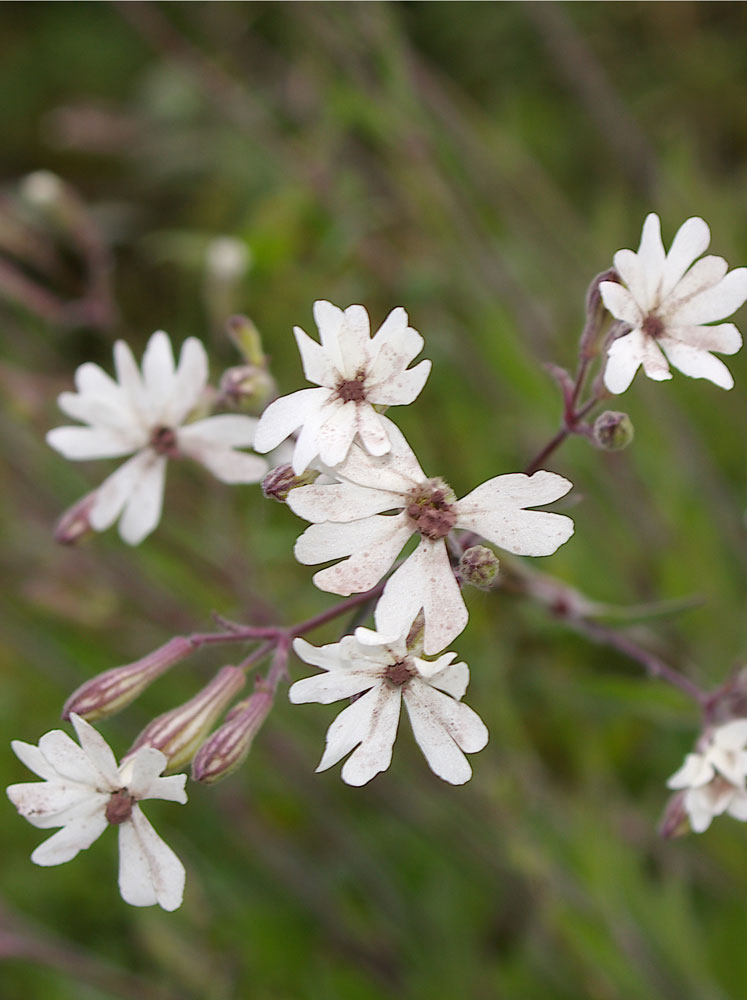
(389, 674)
(145, 414)
(84, 792)
(666, 302)
(714, 779)
(355, 373)
(350, 523)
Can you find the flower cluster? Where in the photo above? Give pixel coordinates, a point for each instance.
(714, 780)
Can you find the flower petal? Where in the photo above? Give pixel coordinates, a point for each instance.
(452, 678)
(340, 502)
(158, 366)
(336, 433)
(354, 341)
(372, 431)
(690, 241)
(116, 490)
(284, 415)
(444, 728)
(143, 507)
(74, 837)
(623, 360)
(716, 302)
(97, 750)
(188, 383)
(370, 724)
(724, 337)
(85, 443)
(331, 686)
(696, 363)
(317, 366)
(651, 256)
(329, 320)
(402, 388)
(149, 871)
(621, 303)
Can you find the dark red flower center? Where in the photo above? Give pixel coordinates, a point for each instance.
(432, 511)
(398, 673)
(119, 807)
(163, 442)
(653, 326)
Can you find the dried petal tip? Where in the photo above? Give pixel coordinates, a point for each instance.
(75, 523)
(224, 751)
(479, 567)
(278, 482)
(613, 431)
(179, 733)
(110, 692)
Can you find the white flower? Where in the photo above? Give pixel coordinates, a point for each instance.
(145, 414)
(666, 302)
(84, 792)
(354, 526)
(354, 373)
(714, 779)
(444, 728)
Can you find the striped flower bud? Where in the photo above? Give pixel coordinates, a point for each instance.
(75, 522)
(179, 732)
(113, 690)
(227, 747)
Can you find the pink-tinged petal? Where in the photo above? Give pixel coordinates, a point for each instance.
(85, 443)
(317, 366)
(690, 241)
(694, 772)
(495, 510)
(149, 871)
(103, 412)
(732, 735)
(654, 363)
(715, 303)
(651, 256)
(336, 433)
(141, 775)
(628, 266)
(373, 545)
(452, 678)
(444, 729)
(232, 466)
(55, 802)
(623, 360)
(92, 380)
(425, 580)
(158, 366)
(621, 303)
(724, 338)
(354, 340)
(284, 415)
(340, 502)
(402, 388)
(143, 508)
(34, 759)
(704, 274)
(116, 490)
(227, 430)
(188, 383)
(331, 686)
(372, 431)
(697, 363)
(398, 471)
(329, 320)
(371, 721)
(69, 760)
(67, 842)
(97, 750)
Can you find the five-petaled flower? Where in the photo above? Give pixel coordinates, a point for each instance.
(84, 791)
(355, 373)
(145, 414)
(382, 675)
(715, 779)
(666, 302)
(350, 522)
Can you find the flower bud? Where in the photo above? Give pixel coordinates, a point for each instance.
(278, 482)
(675, 821)
(226, 748)
(596, 315)
(113, 690)
(178, 733)
(75, 523)
(479, 567)
(246, 338)
(247, 387)
(612, 430)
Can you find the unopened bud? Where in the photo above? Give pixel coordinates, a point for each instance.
(75, 523)
(113, 690)
(179, 733)
(596, 315)
(42, 188)
(278, 482)
(226, 748)
(247, 387)
(613, 431)
(246, 338)
(479, 567)
(675, 821)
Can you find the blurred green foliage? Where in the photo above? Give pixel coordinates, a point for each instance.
(477, 163)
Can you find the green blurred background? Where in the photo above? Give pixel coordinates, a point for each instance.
(477, 163)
